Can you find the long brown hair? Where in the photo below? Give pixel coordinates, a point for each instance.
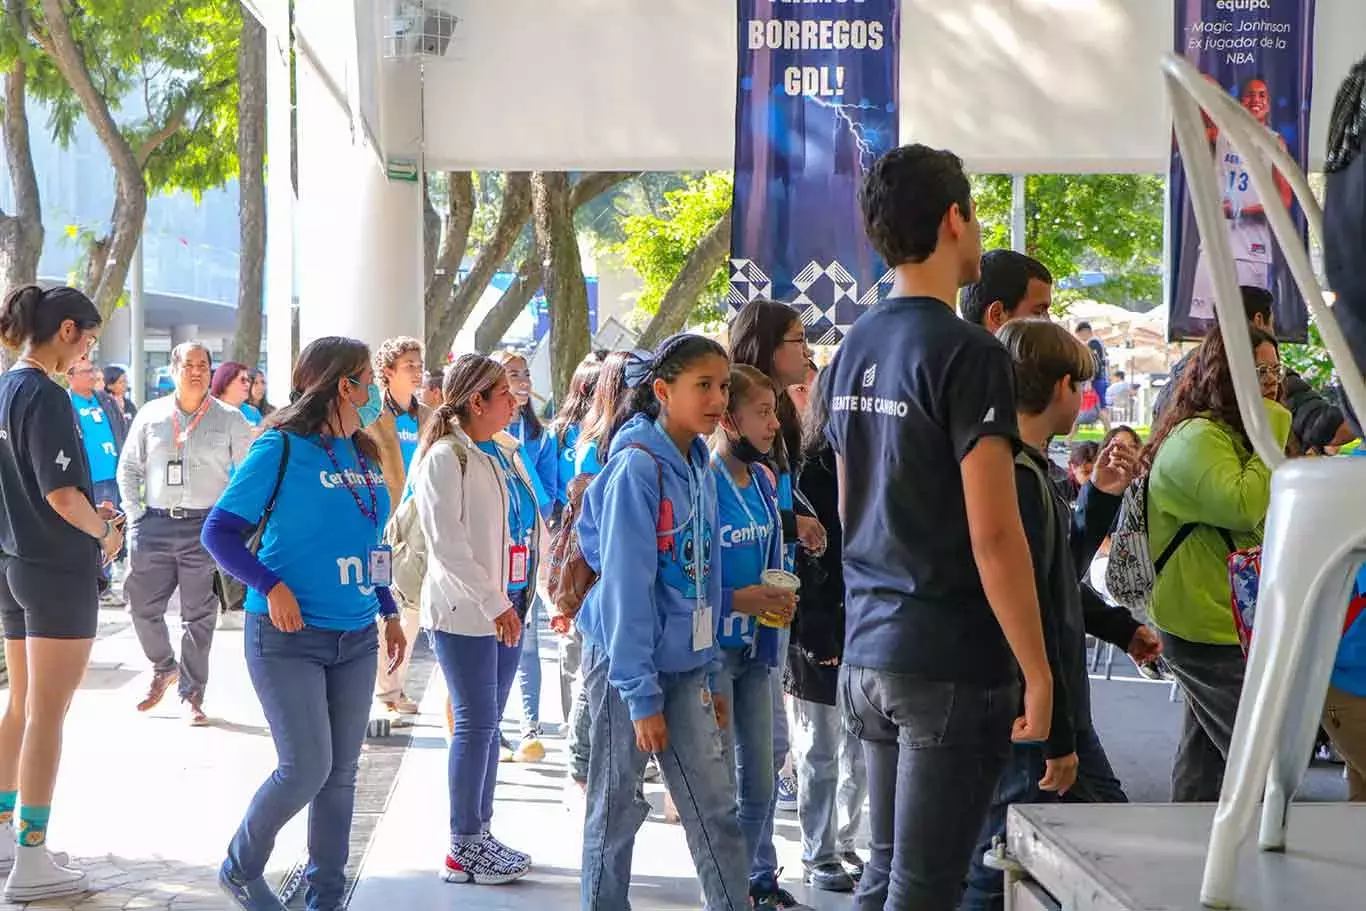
(313, 392)
(607, 398)
(1205, 389)
(745, 381)
(470, 375)
(530, 419)
(579, 398)
(756, 334)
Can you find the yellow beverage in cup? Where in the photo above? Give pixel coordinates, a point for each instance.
(778, 578)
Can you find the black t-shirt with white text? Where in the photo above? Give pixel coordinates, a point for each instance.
(40, 452)
(912, 390)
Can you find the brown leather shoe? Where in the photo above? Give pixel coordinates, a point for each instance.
(156, 690)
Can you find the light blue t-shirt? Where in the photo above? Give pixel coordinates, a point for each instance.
(746, 528)
(521, 505)
(568, 462)
(408, 433)
(586, 459)
(786, 503)
(98, 437)
(252, 413)
(318, 541)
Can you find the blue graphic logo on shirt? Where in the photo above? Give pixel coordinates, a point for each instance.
(679, 558)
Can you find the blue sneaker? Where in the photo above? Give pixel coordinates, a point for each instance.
(249, 896)
(787, 793)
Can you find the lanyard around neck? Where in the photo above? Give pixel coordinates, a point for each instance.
(740, 494)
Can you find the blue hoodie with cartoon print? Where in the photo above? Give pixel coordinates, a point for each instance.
(750, 543)
(654, 559)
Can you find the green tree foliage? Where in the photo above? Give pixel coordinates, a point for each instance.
(1109, 223)
(658, 244)
(1310, 360)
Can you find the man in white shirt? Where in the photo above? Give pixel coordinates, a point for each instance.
(180, 452)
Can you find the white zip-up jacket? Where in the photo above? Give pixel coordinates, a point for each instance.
(464, 516)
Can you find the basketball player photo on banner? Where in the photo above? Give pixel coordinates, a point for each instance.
(1260, 52)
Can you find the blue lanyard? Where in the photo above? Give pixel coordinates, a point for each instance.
(513, 482)
(696, 493)
(740, 497)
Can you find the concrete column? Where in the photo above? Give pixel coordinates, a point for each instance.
(279, 326)
(184, 332)
(360, 234)
(116, 340)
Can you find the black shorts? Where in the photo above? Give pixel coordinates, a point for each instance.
(48, 602)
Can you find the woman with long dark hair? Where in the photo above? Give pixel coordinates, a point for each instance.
(474, 500)
(52, 543)
(1208, 494)
(610, 394)
(568, 423)
(312, 489)
(771, 337)
(116, 387)
(257, 398)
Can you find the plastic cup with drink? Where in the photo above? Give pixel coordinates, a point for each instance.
(781, 579)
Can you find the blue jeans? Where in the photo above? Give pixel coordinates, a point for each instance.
(765, 866)
(934, 752)
(479, 673)
(1096, 783)
(315, 687)
(694, 767)
(745, 685)
(832, 781)
(529, 667)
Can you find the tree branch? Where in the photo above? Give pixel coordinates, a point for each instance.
(130, 190)
(23, 232)
(557, 246)
(679, 301)
(504, 313)
(450, 254)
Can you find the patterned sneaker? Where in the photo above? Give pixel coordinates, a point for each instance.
(504, 852)
(472, 862)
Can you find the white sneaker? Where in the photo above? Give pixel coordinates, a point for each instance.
(36, 875)
(8, 845)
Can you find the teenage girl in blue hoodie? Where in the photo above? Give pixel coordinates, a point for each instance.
(649, 528)
(750, 542)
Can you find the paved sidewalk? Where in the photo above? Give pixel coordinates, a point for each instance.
(145, 803)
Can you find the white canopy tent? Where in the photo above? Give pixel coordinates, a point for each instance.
(1013, 86)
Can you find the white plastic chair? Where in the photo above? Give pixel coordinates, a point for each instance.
(1316, 527)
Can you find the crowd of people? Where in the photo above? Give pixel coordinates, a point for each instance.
(869, 575)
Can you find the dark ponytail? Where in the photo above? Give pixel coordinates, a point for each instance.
(673, 356)
(31, 316)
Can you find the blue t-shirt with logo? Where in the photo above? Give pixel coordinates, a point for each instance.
(586, 459)
(746, 530)
(252, 414)
(98, 437)
(317, 541)
(521, 505)
(408, 433)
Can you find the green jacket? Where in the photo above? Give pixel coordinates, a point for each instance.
(1204, 473)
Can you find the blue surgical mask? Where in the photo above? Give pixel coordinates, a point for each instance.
(373, 407)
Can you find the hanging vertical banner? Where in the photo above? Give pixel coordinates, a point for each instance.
(816, 105)
(1262, 53)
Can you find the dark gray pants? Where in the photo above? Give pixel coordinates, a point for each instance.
(165, 554)
(1211, 679)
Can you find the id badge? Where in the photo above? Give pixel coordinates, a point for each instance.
(175, 474)
(703, 629)
(381, 566)
(517, 564)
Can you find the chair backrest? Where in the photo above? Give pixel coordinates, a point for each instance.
(1190, 94)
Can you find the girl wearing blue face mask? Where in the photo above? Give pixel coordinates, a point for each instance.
(751, 613)
(312, 485)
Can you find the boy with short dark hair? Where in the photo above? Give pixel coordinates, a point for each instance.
(1051, 366)
(939, 628)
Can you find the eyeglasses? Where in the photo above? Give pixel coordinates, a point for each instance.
(1271, 372)
(799, 340)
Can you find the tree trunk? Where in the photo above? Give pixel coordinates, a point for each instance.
(450, 254)
(111, 257)
(679, 301)
(431, 229)
(499, 320)
(505, 312)
(557, 245)
(21, 233)
(251, 157)
(512, 218)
